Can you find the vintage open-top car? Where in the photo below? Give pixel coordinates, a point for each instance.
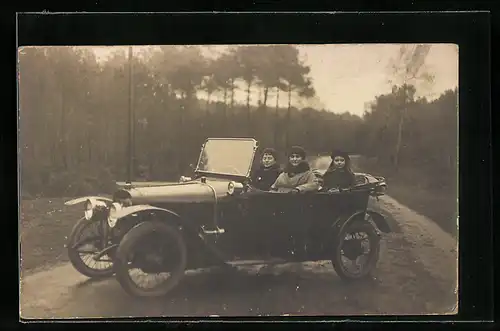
(161, 229)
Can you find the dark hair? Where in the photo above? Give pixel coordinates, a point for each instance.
(338, 152)
(297, 150)
(271, 151)
(346, 157)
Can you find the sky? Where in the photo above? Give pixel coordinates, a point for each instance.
(348, 76)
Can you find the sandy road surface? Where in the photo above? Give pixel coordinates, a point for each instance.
(417, 274)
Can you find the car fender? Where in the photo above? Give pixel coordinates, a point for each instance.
(126, 211)
(184, 225)
(83, 199)
(343, 220)
(380, 221)
(374, 218)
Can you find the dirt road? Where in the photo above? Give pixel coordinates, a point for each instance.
(417, 274)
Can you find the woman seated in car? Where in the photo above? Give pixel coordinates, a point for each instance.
(339, 174)
(268, 171)
(297, 175)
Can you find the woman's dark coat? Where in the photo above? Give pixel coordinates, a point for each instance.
(264, 177)
(338, 178)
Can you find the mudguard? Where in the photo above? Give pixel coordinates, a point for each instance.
(380, 221)
(140, 208)
(186, 227)
(370, 216)
(82, 199)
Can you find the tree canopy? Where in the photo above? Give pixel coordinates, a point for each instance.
(74, 114)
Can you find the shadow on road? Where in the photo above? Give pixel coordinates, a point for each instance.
(242, 282)
(92, 281)
(242, 292)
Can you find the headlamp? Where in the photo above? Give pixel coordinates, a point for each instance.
(113, 211)
(233, 187)
(230, 188)
(88, 207)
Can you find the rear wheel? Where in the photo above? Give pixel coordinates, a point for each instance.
(151, 259)
(356, 251)
(83, 244)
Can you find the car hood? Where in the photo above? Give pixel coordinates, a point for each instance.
(193, 191)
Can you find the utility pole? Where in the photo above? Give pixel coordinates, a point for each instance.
(131, 118)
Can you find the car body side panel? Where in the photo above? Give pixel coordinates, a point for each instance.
(279, 225)
(259, 225)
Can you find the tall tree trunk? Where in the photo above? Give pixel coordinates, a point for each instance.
(249, 117)
(180, 145)
(131, 119)
(62, 132)
(106, 136)
(276, 119)
(224, 115)
(399, 139)
(204, 123)
(208, 104)
(232, 93)
(266, 91)
(288, 116)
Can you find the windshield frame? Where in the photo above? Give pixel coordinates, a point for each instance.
(245, 176)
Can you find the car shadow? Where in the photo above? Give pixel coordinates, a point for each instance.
(92, 281)
(291, 287)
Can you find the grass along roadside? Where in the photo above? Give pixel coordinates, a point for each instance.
(439, 205)
(44, 224)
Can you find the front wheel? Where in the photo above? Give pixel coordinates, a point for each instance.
(83, 243)
(356, 251)
(153, 251)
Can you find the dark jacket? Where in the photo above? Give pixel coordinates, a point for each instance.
(338, 178)
(264, 177)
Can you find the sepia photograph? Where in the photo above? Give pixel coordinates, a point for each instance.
(238, 180)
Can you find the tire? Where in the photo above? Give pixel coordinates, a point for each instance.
(126, 247)
(373, 255)
(76, 259)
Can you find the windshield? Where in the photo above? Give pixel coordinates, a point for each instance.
(227, 156)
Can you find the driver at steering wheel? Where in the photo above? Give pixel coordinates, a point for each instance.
(268, 171)
(297, 176)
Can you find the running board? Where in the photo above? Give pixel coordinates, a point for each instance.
(256, 262)
(215, 251)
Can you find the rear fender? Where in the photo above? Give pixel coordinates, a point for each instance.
(83, 199)
(342, 221)
(372, 217)
(380, 221)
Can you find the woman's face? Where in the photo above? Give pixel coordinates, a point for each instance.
(295, 159)
(268, 160)
(339, 162)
